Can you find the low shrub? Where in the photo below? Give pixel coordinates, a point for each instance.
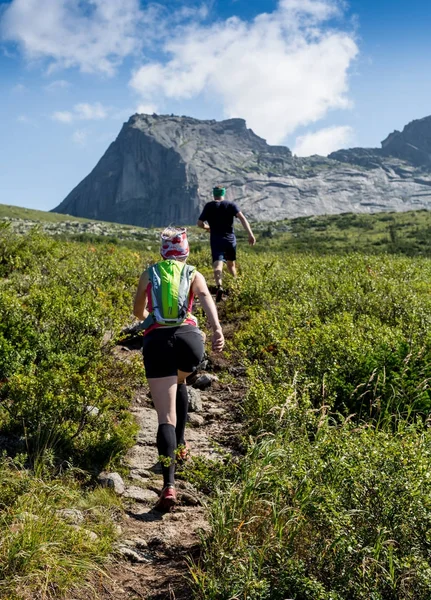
(341, 515)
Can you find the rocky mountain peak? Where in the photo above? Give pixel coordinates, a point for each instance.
(161, 169)
(413, 143)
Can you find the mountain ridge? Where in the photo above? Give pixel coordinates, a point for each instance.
(161, 168)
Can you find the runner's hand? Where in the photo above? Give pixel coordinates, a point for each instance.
(217, 340)
(251, 240)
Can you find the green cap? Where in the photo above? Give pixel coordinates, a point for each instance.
(219, 192)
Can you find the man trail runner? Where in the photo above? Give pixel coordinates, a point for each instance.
(217, 217)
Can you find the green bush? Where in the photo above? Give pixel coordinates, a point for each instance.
(342, 515)
(351, 332)
(60, 385)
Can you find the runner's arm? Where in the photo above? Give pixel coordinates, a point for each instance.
(200, 288)
(140, 305)
(203, 225)
(246, 225)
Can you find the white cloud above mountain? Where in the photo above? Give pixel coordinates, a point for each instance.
(58, 84)
(79, 137)
(282, 70)
(93, 35)
(82, 112)
(324, 141)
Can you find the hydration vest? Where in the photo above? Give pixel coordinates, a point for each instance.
(169, 297)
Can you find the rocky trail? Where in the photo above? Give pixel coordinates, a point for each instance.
(150, 560)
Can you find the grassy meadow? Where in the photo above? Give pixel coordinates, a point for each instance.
(331, 499)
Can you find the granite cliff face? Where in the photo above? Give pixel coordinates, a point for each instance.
(161, 170)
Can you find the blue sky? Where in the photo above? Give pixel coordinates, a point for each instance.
(315, 75)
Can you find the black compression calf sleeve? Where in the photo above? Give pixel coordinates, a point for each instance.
(182, 404)
(166, 445)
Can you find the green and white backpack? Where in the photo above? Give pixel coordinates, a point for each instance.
(169, 298)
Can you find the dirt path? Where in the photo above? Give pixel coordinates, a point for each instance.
(152, 550)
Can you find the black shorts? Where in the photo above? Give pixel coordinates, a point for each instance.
(222, 249)
(168, 350)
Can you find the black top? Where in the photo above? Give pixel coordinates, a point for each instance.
(220, 216)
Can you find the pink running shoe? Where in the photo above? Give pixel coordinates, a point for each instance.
(167, 500)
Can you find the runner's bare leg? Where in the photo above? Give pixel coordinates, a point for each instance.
(218, 269)
(231, 267)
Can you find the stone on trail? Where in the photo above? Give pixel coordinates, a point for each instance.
(139, 494)
(205, 381)
(195, 402)
(113, 481)
(195, 420)
(132, 555)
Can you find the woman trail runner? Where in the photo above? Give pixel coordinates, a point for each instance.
(173, 345)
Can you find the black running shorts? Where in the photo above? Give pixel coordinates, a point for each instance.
(223, 249)
(168, 350)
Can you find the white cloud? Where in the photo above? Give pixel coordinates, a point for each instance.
(80, 137)
(82, 112)
(58, 84)
(324, 141)
(63, 116)
(93, 35)
(280, 71)
(24, 119)
(90, 111)
(19, 88)
(146, 109)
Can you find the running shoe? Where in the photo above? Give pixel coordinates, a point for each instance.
(167, 500)
(219, 294)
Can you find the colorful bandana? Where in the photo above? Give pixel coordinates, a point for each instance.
(174, 244)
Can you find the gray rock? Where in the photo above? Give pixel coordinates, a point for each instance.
(142, 473)
(132, 555)
(71, 515)
(161, 169)
(190, 499)
(139, 494)
(216, 412)
(90, 534)
(196, 420)
(205, 381)
(113, 481)
(195, 402)
(140, 543)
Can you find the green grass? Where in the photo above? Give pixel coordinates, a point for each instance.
(344, 514)
(44, 554)
(331, 318)
(406, 233)
(18, 212)
(333, 498)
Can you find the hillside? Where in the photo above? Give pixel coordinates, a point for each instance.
(312, 435)
(405, 232)
(161, 169)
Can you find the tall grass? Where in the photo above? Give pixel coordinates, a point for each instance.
(42, 553)
(333, 498)
(343, 514)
